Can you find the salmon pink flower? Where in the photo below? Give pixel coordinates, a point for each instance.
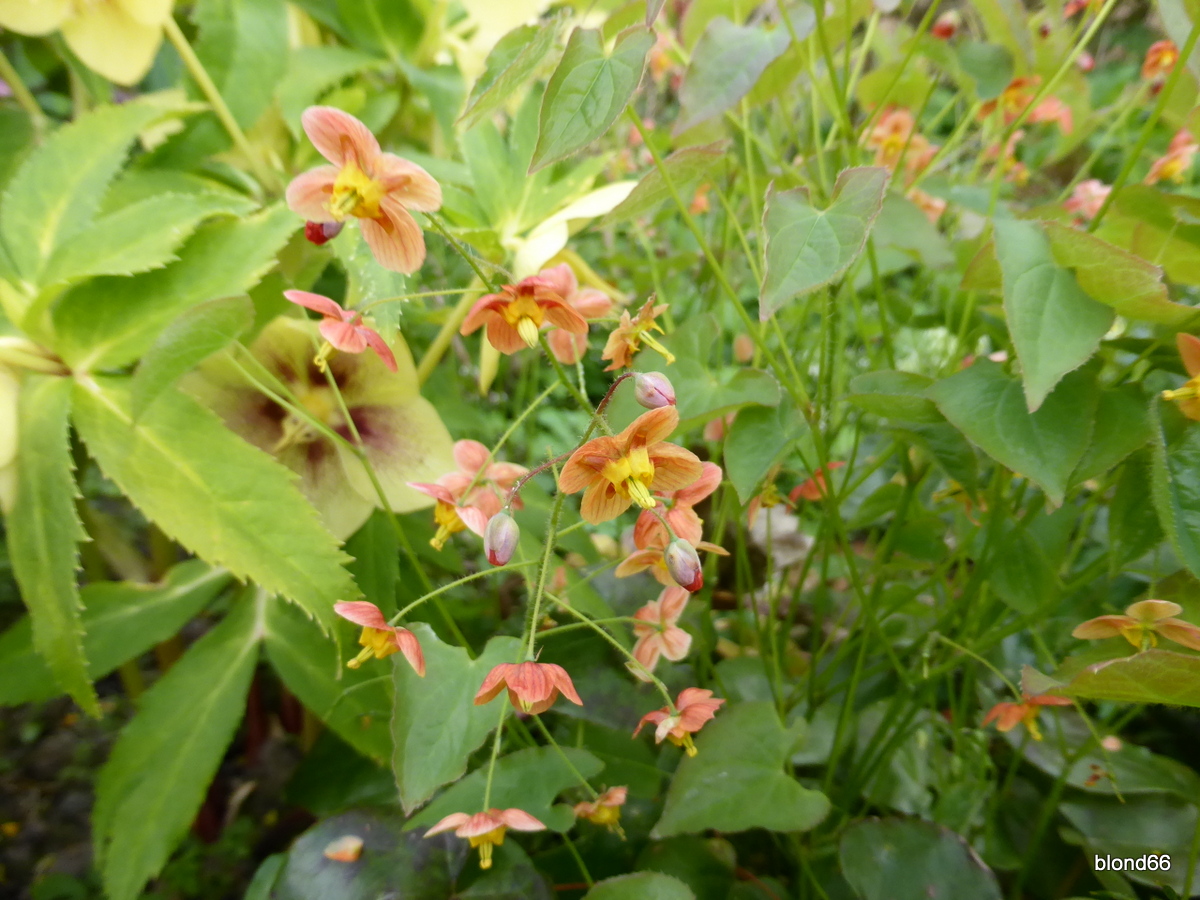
(485, 830)
(1087, 198)
(1053, 110)
(889, 136)
(627, 338)
(1008, 715)
(680, 510)
(1177, 161)
(1013, 99)
(1142, 625)
(657, 633)
(814, 488)
(693, 708)
(532, 686)
(342, 329)
(516, 314)
(623, 469)
(1160, 60)
(468, 498)
(652, 558)
(1188, 395)
(604, 810)
(367, 184)
(378, 638)
(932, 206)
(569, 346)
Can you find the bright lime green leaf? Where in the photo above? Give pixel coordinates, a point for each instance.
(894, 395)
(988, 406)
(120, 621)
(908, 859)
(653, 8)
(1176, 481)
(687, 167)
(641, 886)
(312, 70)
(150, 789)
(513, 61)
(726, 64)
(1122, 426)
(529, 779)
(219, 496)
(988, 66)
(44, 531)
(809, 247)
(1154, 224)
(186, 342)
(1055, 326)
(759, 438)
(436, 726)
(587, 91)
(1152, 676)
(736, 780)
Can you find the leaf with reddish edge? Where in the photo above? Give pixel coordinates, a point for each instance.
(1152, 676)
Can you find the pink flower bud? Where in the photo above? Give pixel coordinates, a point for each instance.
(500, 538)
(320, 232)
(684, 565)
(653, 390)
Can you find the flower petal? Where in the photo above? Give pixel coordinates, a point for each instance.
(1152, 610)
(33, 17)
(411, 648)
(702, 487)
(1184, 633)
(518, 820)
(408, 183)
(360, 612)
(601, 502)
(674, 467)
(112, 43)
(454, 820)
(1189, 352)
(317, 303)
(650, 718)
(652, 427)
(567, 348)
(308, 194)
(1101, 627)
(504, 337)
(564, 317)
(395, 238)
(380, 346)
(493, 684)
(343, 335)
(470, 456)
(340, 137)
(560, 679)
(675, 644)
(560, 279)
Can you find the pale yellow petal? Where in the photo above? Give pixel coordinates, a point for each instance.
(112, 43)
(148, 12)
(9, 393)
(33, 16)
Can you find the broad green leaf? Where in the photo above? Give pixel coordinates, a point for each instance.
(186, 342)
(1152, 676)
(436, 726)
(376, 565)
(120, 621)
(392, 27)
(139, 237)
(55, 193)
(513, 61)
(653, 8)
(988, 406)
(739, 764)
(44, 531)
(216, 494)
(949, 449)
(759, 437)
(587, 91)
(16, 139)
(908, 859)
(157, 775)
(725, 65)
(894, 395)
(109, 322)
(687, 168)
(1176, 481)
(1055, 326)
(1122, 426)
(1133, 526)
(988, 66)
(355, 703)
(640, 885)
(529, 779)
(312, 70)
(1153, 224)
(809, 247)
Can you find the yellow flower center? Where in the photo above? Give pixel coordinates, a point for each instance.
(376, 643)
(632, 475)
(448, 522)
(320, 404)
(1189, 391)
(485, 843)
(355, 193)
(605, 815)
(526, 316)
(686, 742)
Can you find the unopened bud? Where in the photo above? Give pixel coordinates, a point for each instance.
(743, 348)
(653, 390)
(500, 539)
(684, 565)
(320, 232)
(947, 25)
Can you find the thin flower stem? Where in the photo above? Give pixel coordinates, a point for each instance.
(483, 573)
(583, 869)
(979, 659)
(592, 792)
(574, 391)
(544, 571)
(437, 348)
(419, 295)
(508, 432)
(441, 229)
(630, 620)
(22, 94)
(487, 787)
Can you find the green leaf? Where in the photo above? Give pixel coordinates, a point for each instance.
(529, 779)
(120, 621)
(949, 449)
(376, 566)
(44, 531)
(435, 725)
(988, 66)
(587, 91)
(1133, 525)
(757, 440)
(310, 71)
(908, 859)
(109, 322)
(1152, 676)
(156, 777)
(740, 762)
(640, 886)
(513, 61)
(1153, 224)
(1176, 481)
(809, 247)
(392, 27)
(894, 395)
(687, 168)
(216, 494)
(186, 342)
(988, 406)
(1055, 326)
(1122, 426)
(725, 65)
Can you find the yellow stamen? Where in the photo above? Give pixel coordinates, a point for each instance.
(686, 742)
(663, 351)
(485, 843)
(355, 193)
(632, 475)
(528, 331)
(376, 642)
(322, 355)
(448, 523)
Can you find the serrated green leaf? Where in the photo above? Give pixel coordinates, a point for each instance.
(216, 494)
(1176, 480)
(189, 340)
(44, 531)
(513, 61)
(687, 167)
(809, 247)
(641, 885)
(311, 70)
(109, 322)
(907, 859)
(1122, 426)
(1133, 525)
(120, 621)
(154, 781)
(988, 406)
(759, 437)
(435, 725)
(587, 91)
(740, 760)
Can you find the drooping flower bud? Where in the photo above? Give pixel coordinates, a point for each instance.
(500, 539)
(320, 232)
(653, 390)
(947, 25)
(684, 565)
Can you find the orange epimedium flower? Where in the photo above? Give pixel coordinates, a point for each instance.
(1143, 623)
(604, 810)
(693, 708)
(566, 345)
(629, 335)
(889, 136)
(515, 316)
(379, 639)
(367, 184)
(657, 631)
(652, 558)
(1178, 159)
(342, 329)
(1087, 198)
(815, 488)
(1013, 99)
(532, 686)
(680, 514)
(1160, 60)
(485, 830)
(469, 497)
(624, 469)
(1008, 715)
(1188, 395)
